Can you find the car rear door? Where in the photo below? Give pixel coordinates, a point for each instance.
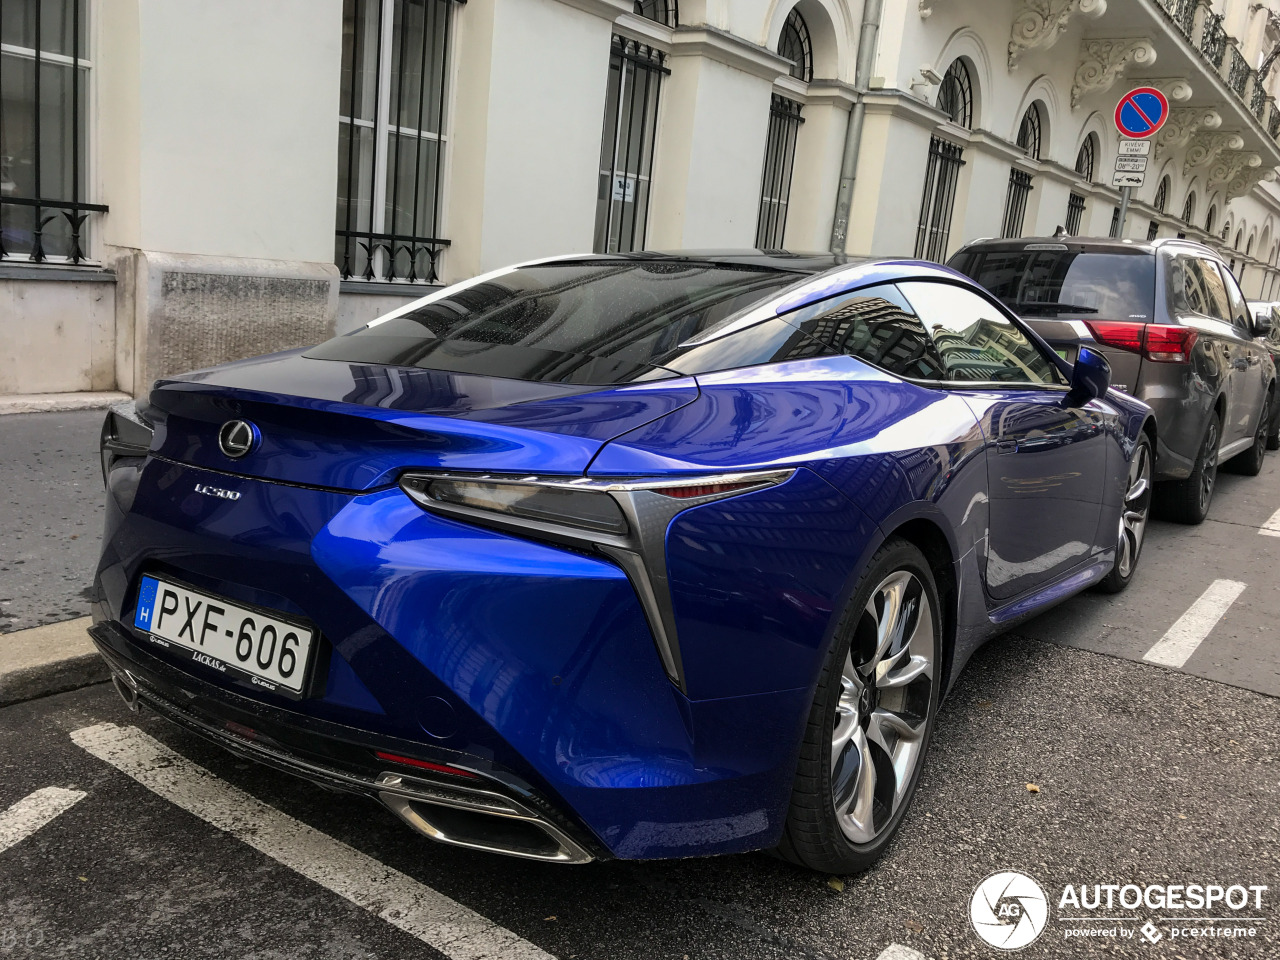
(1231, 347)
(1248, 375)
(1047, 464)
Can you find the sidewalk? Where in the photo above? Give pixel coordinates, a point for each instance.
(50, 527)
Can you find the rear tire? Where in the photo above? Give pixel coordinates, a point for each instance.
(871, 720)
(1133, 519)
(1187, 501)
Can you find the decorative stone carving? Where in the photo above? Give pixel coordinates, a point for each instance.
(1182, 125)
(1247, 179)
(1231, 164)
(1177, 89)
(1207, 147)
(1039, 23)
(1103, 61)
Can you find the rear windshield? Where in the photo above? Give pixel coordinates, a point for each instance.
(1067, 283)
(588, 322)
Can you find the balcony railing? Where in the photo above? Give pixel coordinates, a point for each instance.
(1238, 78)
(1213, 41)
(1182, 13)
(1258, 102)
(1273, 121)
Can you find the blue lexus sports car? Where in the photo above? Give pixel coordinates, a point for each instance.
(652, 555)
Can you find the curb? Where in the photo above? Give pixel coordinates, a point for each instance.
(50, 659)
(59, 402)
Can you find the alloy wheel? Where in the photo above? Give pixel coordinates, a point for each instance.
(1209, 470)
(886, 691)
(1137, 508)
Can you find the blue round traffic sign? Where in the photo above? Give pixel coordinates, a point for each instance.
(1141, 113)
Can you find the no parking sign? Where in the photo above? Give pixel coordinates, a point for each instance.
(1139, 115)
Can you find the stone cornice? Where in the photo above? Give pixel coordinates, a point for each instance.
(1206, 147)
(1103, 61)
(714, 44)
(635, 27)
(1182, 125)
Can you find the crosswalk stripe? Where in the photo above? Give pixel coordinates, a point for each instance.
(1181, 640)
(442, 923)
(34, 811)
(896, 951)
(1272, 527)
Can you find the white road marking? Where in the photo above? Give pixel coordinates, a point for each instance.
(896, 951)
(1272, 527)
(33, 811)
(446, 925)
(1180, 641)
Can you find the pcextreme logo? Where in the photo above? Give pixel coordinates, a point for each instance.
(1009, 910)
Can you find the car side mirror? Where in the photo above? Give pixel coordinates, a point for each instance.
(1090, 377)
(1261, 324)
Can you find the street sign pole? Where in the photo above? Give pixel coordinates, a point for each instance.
(1125, 194)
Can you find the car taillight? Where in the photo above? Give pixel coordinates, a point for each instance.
(1161, 343)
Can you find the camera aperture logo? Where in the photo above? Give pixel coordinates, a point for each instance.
(1009, 910)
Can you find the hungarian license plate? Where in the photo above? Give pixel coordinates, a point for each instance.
(268, 651)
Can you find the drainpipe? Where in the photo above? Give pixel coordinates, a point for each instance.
(867, 40)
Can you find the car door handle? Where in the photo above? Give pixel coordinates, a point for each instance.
(1240, 364)
(1006, 446)
(1253, 361)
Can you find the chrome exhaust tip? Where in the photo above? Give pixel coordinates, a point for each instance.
(127, 687)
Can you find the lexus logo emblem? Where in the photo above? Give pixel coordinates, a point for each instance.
(238, 438)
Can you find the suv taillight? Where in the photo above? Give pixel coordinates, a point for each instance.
(1158, 342)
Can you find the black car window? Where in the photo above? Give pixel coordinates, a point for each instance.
(1051, 280)
(875, 324)
(1218, 306)
(1238, 305)
(1187, 293)
(975, 341)
(592, 321)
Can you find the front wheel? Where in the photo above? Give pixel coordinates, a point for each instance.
(871, 720)
(1249, 463)
(1133, 519)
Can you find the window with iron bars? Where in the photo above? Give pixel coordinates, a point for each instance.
(779, 159)
(1115, 223)
(626, 151)
(941, 176)
(1153, 229)
(44, 78)
(392, 138)
(1075, 213)
(1015, 204)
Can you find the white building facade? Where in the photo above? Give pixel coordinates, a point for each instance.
(183, 183)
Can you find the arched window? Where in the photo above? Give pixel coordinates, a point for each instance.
(1239, 239)
(1189, 207)
(1248, 248)
(1085, 158)
(663, 11)
(955, 95)
(795, 46)
(1210, 219)
(1162, 195)
(1226, 231)
(1029, 132)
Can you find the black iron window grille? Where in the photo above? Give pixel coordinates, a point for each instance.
(1213, 40)
(392, 138)
(1153, 230)
(794, 44)
(661, 11)
(1015, 203)
(1086, 157)
(955, 94)
(1238, 75)
(1115, 223)
(1029, 132)
(1189, 208)
(44, 68)
(1075, 213)
(941, 176)
(1162, 195)
(779, 159)
(626, 151)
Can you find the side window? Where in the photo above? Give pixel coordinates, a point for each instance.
(974, 339)
(1217, 306)
(1186, 287)
(1239, 309)
(875, 324)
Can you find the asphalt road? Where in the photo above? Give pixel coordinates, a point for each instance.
(1146, 775)
(50, 516)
